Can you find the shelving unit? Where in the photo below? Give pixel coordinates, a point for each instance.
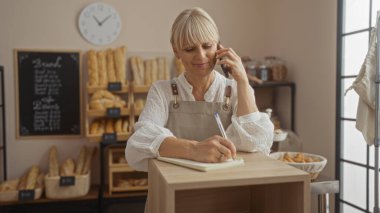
(283, 84)
(3, 157)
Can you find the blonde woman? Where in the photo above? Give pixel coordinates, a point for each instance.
(178, 118)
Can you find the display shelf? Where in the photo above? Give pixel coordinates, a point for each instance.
(140, 89)
(103, 113)
(93, 89)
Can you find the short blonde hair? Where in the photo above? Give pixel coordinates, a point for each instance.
(193, 26)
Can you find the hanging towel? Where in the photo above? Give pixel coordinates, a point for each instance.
(364, 85)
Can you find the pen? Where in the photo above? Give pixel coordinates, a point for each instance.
(220, 125)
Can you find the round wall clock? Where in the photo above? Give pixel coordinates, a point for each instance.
(99, 23)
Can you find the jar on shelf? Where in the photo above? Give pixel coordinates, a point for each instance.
(252, 68)
(277, 67)
(264, 72)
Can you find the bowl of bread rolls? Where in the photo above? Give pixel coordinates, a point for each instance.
(310, 163)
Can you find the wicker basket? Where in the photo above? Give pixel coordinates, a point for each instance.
(54, 191)
(13, 195)
(313, 168)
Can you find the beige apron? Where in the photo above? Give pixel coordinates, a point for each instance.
(194, 120)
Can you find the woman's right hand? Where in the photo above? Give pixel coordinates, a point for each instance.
(214, 149)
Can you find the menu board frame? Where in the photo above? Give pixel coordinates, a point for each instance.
(76, 55)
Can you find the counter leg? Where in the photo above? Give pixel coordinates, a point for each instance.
(323, 203)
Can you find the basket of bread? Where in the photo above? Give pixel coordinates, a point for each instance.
(71, 179)
(28, 187)
(310, 163)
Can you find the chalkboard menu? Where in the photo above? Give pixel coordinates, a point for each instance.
(49, 95)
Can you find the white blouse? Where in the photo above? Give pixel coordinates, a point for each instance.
(251, 132)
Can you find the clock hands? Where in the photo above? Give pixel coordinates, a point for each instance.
(104, 20)
(97, 21)
(100, 23)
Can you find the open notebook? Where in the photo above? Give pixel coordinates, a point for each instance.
(203, 166)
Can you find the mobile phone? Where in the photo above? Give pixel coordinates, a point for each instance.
(225, 69)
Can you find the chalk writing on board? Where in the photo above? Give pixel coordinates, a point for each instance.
(49, 100)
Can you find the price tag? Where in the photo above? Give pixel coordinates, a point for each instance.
(24, 195)
(67, 181)
(109, 138)
(113, 112)
(114, 86)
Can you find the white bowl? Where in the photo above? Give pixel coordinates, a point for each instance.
(313, 168)
(279, 135)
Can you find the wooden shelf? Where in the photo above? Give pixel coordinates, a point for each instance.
(93, 194)
(93, 89)
(141, 89)
(103, 113)
(99, 138)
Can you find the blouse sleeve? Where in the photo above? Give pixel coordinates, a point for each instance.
(251, 132)
(149, 132)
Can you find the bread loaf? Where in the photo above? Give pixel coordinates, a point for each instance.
(31, 179)
(92, 67)
(120, 63)
(9, 185)
(22, 183)
(82, 157)
(118, 125)
(135, 70)
(40, 181)
(111, 66)
(148, 72)
(68, 167)
(94, 127)
(102, 68)
(53, 162)
(109, 126)
(87, 163)
(161, 68)
(141, 68)
(154, 70)
(125, 125)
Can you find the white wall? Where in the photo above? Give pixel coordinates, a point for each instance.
(301, 32)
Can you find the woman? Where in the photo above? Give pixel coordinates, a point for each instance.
(178, 118)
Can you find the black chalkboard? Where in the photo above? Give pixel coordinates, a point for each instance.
(49, 95)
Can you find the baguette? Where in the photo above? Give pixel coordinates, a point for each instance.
(135, 70)
(92, 67)
(111, 66)
(68, 167)
(22, 183)
(109, 126)
(40, 181)
(82, 157)
(120, 64)
(87, 164)
(102, 68)
(53, 162)
(148, 72)
(118, 125)
(141, 69)
(31, 178)
(161, 68)
(154, 70)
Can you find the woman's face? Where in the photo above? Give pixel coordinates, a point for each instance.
(198, 59)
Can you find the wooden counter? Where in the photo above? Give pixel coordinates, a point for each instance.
(260, 185)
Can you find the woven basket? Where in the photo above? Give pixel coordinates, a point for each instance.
(313, 168)
(13, 195)
(54, 191)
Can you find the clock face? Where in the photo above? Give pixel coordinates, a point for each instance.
(99, 23)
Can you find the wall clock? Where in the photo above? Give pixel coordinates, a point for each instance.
(99, 23)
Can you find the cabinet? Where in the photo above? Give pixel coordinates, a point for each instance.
(3, 161)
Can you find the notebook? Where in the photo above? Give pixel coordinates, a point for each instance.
(203, 166)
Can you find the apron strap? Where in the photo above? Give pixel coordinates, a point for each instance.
(175, 94)
(227, 96)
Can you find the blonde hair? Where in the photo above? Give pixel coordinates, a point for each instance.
(193, 26)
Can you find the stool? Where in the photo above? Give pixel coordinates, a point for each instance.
(323, 186)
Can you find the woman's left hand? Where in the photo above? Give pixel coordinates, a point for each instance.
(229, 58)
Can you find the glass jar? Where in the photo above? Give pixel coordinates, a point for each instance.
(264, 72)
